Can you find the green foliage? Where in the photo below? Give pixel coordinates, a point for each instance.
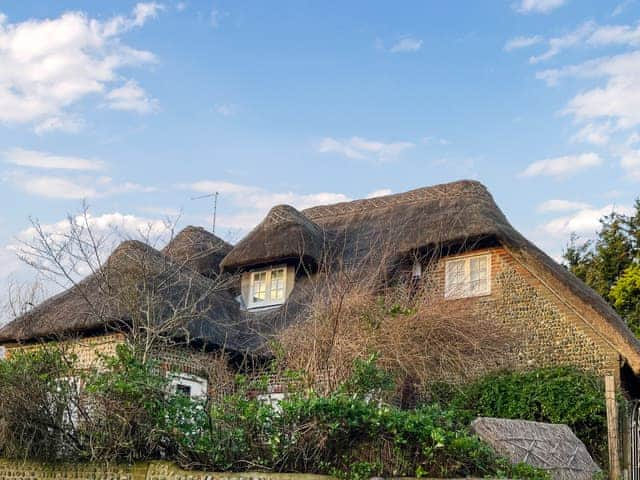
(126, 395)
(37, 400)
(610, 263)
(367, 380)
(625, 295)
(555, 395)
(127, 413)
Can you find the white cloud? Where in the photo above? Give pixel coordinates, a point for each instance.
(252, 203)
(538, 6)
(593, 133)
(522, 42)
(226, 110)
(618, 99)
(571, 39)
(380, 193)
(590, 34)
(55, 187)
(36, 159)
(361, 148)
(562, 166)
(215, 18)
(181, 6)
(62, 123)
(145, 11)
(259, 198)
(430, 140)
(72, 188)
(131, 97)
(406, 44)
(621, 7)
(630, 161)
(125, 225)
(586, 221)
(561, 206)
(48, 65)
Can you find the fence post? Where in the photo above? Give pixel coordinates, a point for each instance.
(612, 427)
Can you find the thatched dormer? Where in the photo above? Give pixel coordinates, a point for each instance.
(198, 249)
(285, 235)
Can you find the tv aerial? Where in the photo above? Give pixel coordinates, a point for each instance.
(215, 207)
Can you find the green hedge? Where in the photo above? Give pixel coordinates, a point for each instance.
(555, 395)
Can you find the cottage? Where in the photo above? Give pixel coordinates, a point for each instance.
(243, 295)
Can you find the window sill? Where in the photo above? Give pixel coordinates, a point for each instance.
(264, 306)
(472, 295)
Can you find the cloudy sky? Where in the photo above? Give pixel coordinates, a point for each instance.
(138, 107)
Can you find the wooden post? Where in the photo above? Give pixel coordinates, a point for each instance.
(612, 427)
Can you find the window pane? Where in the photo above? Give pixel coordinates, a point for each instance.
(277, 285)
(259, 287)
(478, 268)
(454, 277)
(478, 275)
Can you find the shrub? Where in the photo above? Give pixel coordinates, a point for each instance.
(38, 405)
(127, 413)
(556, 395)
(124, 399)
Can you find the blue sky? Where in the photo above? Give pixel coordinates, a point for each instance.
(138, 107)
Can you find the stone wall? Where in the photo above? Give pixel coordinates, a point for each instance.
(15, 470)
(87, 349)
(548, 331)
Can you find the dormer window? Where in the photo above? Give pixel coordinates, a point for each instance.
(467, 276)
(267, 287)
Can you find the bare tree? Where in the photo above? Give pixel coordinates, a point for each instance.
(364, 300)
(133, 288)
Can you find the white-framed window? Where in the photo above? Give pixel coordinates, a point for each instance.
(416, 270)
(467, 276)
(188, 385)
(267, 287)
(3, 353)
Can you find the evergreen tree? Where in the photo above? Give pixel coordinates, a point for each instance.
(611, 264)
(578, 257)
(625, 296)
(613, 253)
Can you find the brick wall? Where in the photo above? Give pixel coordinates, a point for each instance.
(549, 332)
(87, 349)
(14, 470)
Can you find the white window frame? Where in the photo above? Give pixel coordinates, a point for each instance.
(198, 386)
(268, 301)
(465, 290)
(416, 270)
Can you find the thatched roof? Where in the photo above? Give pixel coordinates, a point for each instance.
(547, 446)
(134, 276)
(198, 249)
(285, 234)
(451, 215)
(463, 213)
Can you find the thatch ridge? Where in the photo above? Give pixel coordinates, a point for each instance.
(198, 249)
(284, 234)
(464, 212)
(458, 213)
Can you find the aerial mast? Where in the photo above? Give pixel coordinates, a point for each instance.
(215, 207)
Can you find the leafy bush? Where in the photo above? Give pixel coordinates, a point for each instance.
(625, 296)
(123, 399)
(37, 405)
(556, 395)
(127, 413)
